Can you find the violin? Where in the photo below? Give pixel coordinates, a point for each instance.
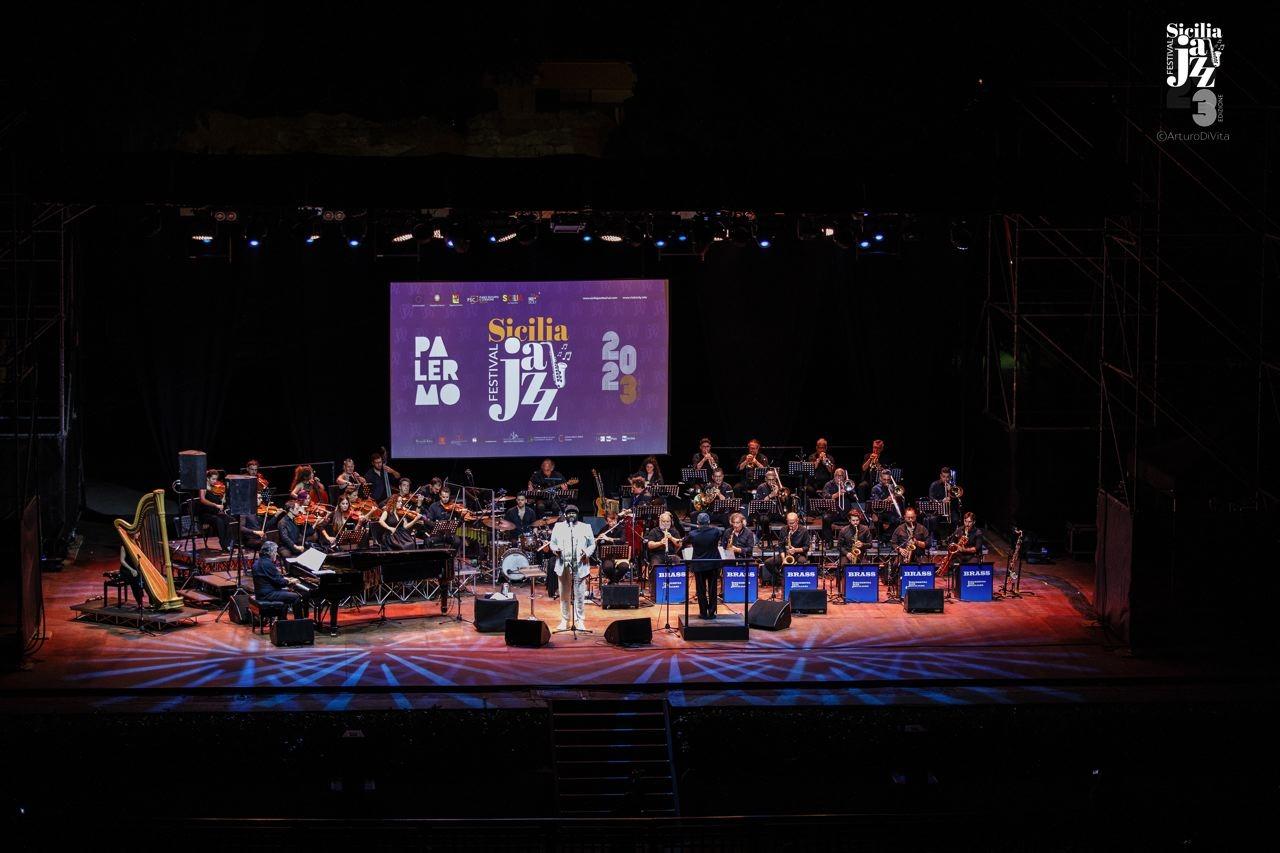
(312, 516)
(219, 488)
(268, 509)
(466, 514)
(262, 483)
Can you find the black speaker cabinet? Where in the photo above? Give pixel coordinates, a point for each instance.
(621, 595)
(492, 614)
(923, 601)
(629, 632)
(242, 494)
(239, 609)
(193, 470)
(527, 633)
(809, 600)
(770, 615)
(293, 632)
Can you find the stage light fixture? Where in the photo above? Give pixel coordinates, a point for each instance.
(527, 233)
(961, 237)
(254, 233)
(807, 228)
(203, 229)
(404, 232)
(741, 233)
(354, 231)
(634, 235)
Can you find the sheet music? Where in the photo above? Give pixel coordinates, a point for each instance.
(311, 560)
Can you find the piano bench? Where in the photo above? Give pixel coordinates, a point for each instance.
(117, 580)
(265, 611)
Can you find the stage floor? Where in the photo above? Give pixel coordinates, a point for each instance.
(1047, 642)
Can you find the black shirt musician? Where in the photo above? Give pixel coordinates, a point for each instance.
(853, 539)
(946, 493)
(889, 516)
(868, 473)
(739, 540)
(910, 539)
(714, 491)
(381, 477)
(751, 464)
(521, 515)
(705, 540)
(292, 542)
(270, 585)
(210, 508)
(662, 541)
(971, 535)
(824, 467)
(845, 494)
(613, 571)
(795, 544)
(704, 458)
(546, 478)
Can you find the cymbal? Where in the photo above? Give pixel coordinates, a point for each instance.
(507, 498)
(499, 524)
(543, 522)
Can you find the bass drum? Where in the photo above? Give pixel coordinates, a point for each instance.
(514, 562)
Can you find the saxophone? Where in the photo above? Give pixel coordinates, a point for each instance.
(856, 552)
(788, 559)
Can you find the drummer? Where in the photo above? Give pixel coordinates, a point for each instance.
(521, 517)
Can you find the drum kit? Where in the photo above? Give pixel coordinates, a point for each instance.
(517, 552)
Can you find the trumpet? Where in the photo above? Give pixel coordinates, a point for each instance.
(955, 491)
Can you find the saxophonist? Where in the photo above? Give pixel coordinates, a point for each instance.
(910, 540)
(795, 544)
(853, 539)
(739, 540)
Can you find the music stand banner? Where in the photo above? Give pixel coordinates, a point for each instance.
(916, 577)
(740, 584)
(798, 577)
(861, 584)
(975, 581)
(670, 584)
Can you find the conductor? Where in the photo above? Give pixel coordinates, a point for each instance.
(705, 540)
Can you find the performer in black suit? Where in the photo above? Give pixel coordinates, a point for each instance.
(705, 540)
(795, 542)
(270, 585)
(856, 531)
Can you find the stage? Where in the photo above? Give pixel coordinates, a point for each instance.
(1044, 646)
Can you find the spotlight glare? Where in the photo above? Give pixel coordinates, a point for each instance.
(879, 238)
(611, 238)
(449, 243)
(508, 237)
(255, 242)
(493, 238)
(660, 243)
(353, 242)
(402, 237)
(586, 238)
(765, 242)
(864, 244)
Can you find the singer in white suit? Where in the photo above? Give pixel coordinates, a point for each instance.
(573, 543)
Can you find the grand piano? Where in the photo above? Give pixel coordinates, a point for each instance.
(345, 574)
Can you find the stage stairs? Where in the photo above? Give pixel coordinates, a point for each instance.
(613, 757)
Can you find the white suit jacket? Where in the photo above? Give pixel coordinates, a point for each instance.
(565, 539)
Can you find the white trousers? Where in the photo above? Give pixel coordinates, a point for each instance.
(568, 577)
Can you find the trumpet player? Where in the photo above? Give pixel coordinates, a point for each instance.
(871, 466)
(662, 542)
(753, 458)
(854, 539)
(795, 544)
(824, 467)
(704, 458)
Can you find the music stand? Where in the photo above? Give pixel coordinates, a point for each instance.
(238, 559)
(693, 475)
(669, 560)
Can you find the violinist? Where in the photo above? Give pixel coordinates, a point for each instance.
(255, 527)
(251, 468)
(292, 542)
(210, 507)
(400, 515)
(445, 510)
(338, 521)
(349, 477)
(380, 476)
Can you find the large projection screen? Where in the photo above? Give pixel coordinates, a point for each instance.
(547, 368)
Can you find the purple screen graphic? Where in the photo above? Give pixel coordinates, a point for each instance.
(530, 368)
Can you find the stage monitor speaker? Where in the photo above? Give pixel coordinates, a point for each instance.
(492, 614)
(527, 633)
(629, 632)
(193, 470)
(238, 610)
(242, 495)
(923, 601)
(293, 632)
(809, 600)
(770, 615)
(623, 595)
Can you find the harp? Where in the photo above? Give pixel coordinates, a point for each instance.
(146, 543)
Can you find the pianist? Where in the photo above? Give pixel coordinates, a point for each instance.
(270, 585)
